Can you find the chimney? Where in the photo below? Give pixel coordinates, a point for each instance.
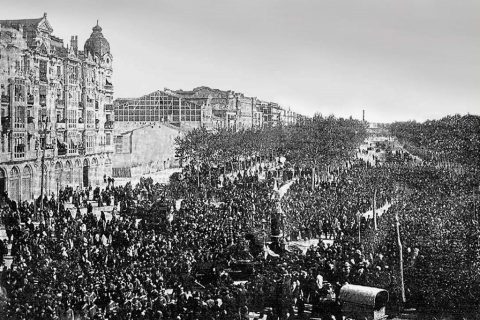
(74, 43)
(363, 115)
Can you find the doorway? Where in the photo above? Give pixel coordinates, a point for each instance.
(85, 173)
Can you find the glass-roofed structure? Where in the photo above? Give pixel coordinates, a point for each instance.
(158, 106)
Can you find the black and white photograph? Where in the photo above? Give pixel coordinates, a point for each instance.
(240, 160)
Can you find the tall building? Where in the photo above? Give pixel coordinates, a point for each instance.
(56, 104)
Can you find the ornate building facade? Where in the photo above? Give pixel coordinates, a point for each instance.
(56, 109)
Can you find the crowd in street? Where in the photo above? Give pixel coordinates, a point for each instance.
(85, 266)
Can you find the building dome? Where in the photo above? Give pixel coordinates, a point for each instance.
(97, 44)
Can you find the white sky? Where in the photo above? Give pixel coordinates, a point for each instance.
(397, 59)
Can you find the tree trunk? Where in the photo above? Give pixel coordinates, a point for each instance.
(375, 210)
(313, 178)
(400, 252)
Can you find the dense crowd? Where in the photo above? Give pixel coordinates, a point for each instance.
(451, 140)
(177, 251)
(86, 265)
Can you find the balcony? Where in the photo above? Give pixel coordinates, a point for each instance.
(108, 125)
(5, 99)
(61, 125)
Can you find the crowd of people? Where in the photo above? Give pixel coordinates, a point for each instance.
(452, 140)
(175, 251)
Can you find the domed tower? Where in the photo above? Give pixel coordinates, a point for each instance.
(97, 45)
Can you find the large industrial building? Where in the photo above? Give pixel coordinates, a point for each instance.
(201, 107)
(56, 104)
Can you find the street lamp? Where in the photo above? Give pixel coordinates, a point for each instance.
(231, 228)
(263, 231)
(43, 146)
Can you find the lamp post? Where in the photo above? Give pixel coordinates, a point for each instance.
(264, 231)
(400, 249)
(231, 229)
(43, 146)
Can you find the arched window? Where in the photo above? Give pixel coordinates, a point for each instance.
(27, 183)
(68, 173)
(15, 184)
(95, 173)
(78, 174)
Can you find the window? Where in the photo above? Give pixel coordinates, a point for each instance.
(90, 141)
(72, 148)
(73, 141)
(19, 117)
(119, 144)
(72, 118)
(43, 95)
(90, 119)
(26, 64)
(43, 70)
(108, 139)
(18, 145)
(19, 92)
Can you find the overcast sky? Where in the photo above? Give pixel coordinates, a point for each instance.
(397, 59)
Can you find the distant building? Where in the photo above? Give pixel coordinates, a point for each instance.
(68, 92)
(201, 107)
(157, 107)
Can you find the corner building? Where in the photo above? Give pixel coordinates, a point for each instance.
(56, 101)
